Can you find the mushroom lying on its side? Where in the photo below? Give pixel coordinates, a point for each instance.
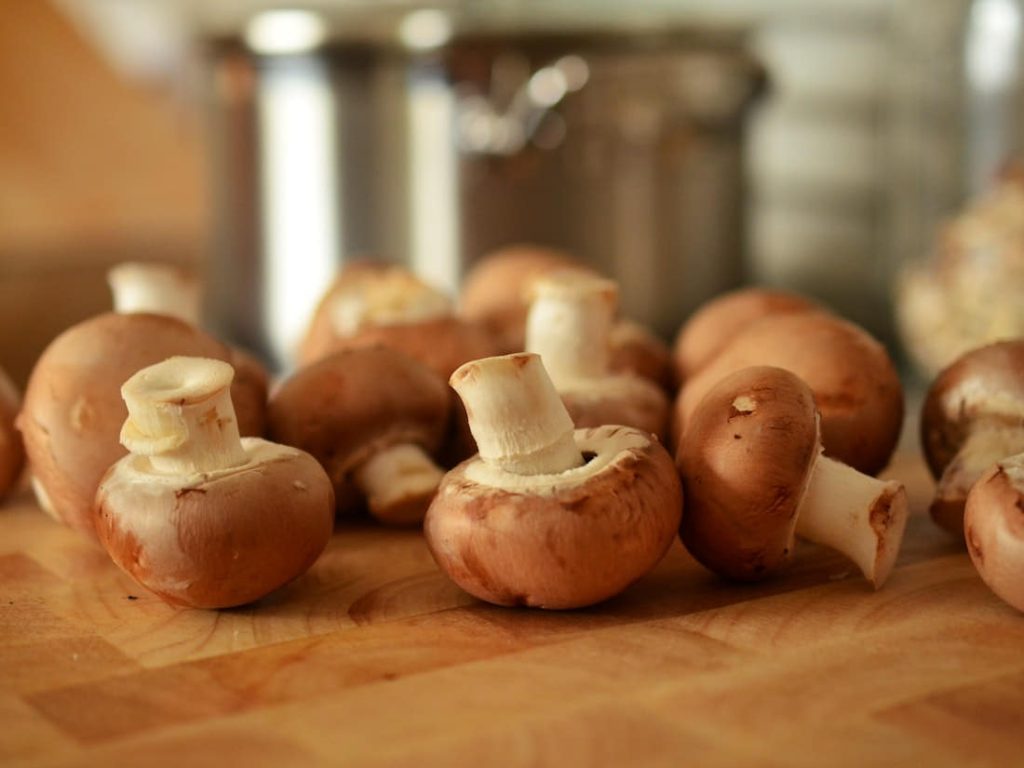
(569, 325)
(547, 516)
(196, 514)
(973, 416)
(374, 418)
(12, 452)
(994, 529)
(754, 477)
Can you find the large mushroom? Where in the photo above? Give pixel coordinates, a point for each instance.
(195, 513)
(569, 326)
(72, 412)
(374, 418)
(973, 416)
(497, 292)
(994, 529)
(547, 516)
(755, 478)
(12, 452)
(714, 325)
(855, 384)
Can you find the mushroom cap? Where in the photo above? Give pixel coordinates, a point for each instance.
(222, 539)
(855, 384)
(714, 325)
(12, 452)
(558, 541)
(626, 400)
(72, 413)
(745, 464)
(249, 391)
(376, 293)
(346, 407)
(495, 290)
(994, 529)
(985, 384)
(636, 350)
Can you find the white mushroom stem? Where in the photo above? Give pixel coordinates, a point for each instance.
(397, 473)
(162, 289)
(855, 514)
(985, 445)
(516, 416)
(570, 323)
(180, 416)
(386, 298)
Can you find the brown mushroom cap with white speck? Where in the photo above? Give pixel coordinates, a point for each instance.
(745, 464)
(348, 406)
(72, 412)
(994, 529)
(855, 384)
(558, 541)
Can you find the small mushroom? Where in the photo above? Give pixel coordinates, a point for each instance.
(754, 477)
(994, 529)
(569, 326)
(196, 514)
(72, 411)
(373, 418)
(973, 416)
(547, 516)
(12, 452)
(855, 384)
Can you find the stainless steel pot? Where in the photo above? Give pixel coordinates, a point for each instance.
(430, 140)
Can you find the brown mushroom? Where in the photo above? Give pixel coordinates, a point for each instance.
(195, 513)
(754, 477)
(712, 327)
(994, 529)
(855, 384)
(373, 418)
(72, 412)
(636, 350)
(12, 452)
(973, 416)
(547, 516)
(569, 326)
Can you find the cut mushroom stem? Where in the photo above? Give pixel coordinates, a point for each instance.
(855, 514)
(516, 416)
(180, 416)
(570, 324)
(162, 289)
(399, 473)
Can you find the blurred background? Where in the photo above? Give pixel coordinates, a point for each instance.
(684, 147)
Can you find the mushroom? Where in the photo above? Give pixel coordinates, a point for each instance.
(994, 529)
(973, 416)
(166, 289)
(754, 476)
(714, 325)
(196, 514)
(569, 325)
(547, 516)
(373, 418)
(12, 452)
(72, 411)
(497, 291)
(855, 385)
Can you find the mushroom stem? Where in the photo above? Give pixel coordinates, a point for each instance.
(180, 416)
(384, 298)
(570, 323)
(984, 446)
(516, 416)
(158, 288)
(396, 473)
(854, 514)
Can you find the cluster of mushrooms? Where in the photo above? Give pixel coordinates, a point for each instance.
(530, 431)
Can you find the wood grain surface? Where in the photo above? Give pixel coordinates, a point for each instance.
(374, 658)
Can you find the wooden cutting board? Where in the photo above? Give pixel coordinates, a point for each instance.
(374, 658)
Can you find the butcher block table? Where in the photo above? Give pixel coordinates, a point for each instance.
(375, 658)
